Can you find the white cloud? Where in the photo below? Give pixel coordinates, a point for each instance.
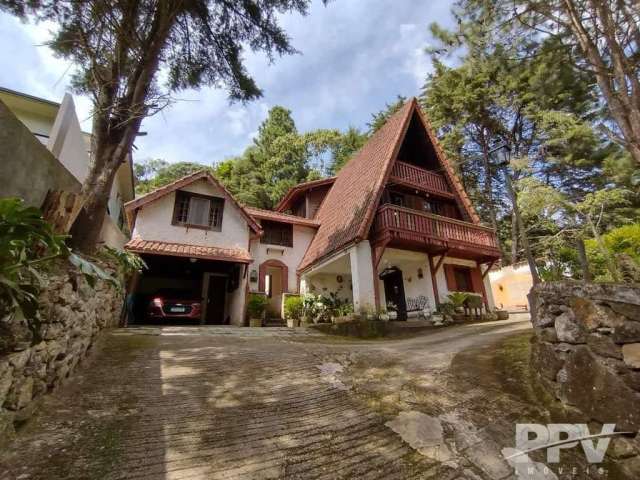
(356, 56)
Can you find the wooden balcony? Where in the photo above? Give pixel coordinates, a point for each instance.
(411, 229)
(419, 178)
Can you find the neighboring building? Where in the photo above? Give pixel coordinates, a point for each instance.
(511, 285)
(394, 226)
(56, 126)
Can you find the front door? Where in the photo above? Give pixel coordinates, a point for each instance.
(394, 290)
(216, 297)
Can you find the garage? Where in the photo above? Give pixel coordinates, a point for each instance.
(186, 287)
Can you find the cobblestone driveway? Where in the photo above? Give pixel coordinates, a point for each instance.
(179, 406)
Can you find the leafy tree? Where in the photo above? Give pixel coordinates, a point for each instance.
(155, 173)
(282, 157)
(380, 118)
(623, 240)
(119, 49)
(603, 37)
(348, 144)
(512, 85)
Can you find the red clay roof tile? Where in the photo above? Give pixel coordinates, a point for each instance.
(347, 211)
(281, 217)
(154, 247)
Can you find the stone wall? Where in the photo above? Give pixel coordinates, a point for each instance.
(37, 356)
(587, 354)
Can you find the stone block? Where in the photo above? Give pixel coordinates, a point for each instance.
(598, 392)
(20, 394)
(547, 335)
(545, 360)
(593, 315)
(632, 379)
(6, 379)
(631, 312)
(604, 346)
(568, 330)
(622, 447)
(7, 431)
(19, 360)
(631, 355)
(628, 332)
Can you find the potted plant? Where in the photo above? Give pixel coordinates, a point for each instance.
(342, 313)
(392, 311)
(256, 307)
(293, 307)
(458, 300)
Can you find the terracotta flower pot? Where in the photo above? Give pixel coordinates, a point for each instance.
(255, 322)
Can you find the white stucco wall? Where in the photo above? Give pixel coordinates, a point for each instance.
(409, 263)
(327, 283)
(66, 140)
(362, 275)
(153, 222)
(290, 256)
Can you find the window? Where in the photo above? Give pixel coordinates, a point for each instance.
(463, 279)
(198, 211)
(276, 233)
(397, 199)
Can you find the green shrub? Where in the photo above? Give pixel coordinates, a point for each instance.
(621, 240)
(257, 305)
(458, 299)
(293, 307)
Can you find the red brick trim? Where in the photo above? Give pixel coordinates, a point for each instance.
(263, 272)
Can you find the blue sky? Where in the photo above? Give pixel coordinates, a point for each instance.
(356, 56)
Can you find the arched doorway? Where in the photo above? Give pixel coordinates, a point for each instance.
(274, 281)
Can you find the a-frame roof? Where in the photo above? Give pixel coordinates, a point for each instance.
(133, 205)
(348, 210)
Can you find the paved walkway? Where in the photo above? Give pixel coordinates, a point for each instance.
(169, 404)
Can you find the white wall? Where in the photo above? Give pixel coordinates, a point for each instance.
(153, 222)
(327, 283)
(362, 275)
(409, 263)
(66, 140)
(290, 256)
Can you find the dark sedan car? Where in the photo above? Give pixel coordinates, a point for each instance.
(174, 304)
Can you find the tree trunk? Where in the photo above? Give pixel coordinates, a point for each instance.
(85, 233)
(617, 75)
(488, 191)
(523, 233)
(584, 261)
(514, 238)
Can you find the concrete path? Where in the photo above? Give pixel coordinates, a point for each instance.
(173, 404)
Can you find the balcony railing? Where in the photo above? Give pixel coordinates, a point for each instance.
(420, 178)
(428, 228)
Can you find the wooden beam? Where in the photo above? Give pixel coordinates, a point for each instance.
(433, 280)
(489, 266)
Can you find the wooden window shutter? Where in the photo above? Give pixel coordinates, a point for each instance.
(478, 284)
(451, 277)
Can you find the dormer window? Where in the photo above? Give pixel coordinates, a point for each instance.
(198, 211)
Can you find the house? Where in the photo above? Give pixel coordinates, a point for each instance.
(511, 285)
(56, 126)
(394, 226)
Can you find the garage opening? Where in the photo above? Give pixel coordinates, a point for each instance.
(184, 291)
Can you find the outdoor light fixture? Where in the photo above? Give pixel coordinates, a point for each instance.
(253, 276)
(193, 260)
(502, 154)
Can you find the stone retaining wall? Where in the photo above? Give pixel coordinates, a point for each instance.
(37, 356)
(587, 354)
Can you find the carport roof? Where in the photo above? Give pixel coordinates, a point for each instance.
(154, 247)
